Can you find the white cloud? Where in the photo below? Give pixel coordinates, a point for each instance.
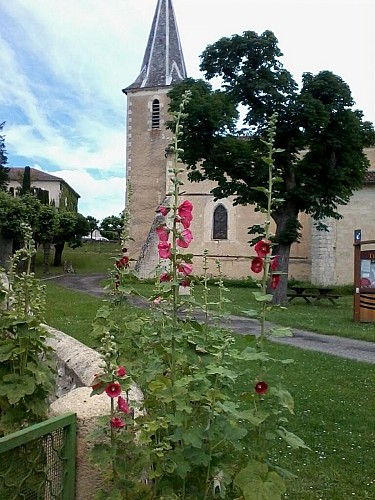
(99, 198)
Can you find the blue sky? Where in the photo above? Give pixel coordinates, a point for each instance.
(63, 64)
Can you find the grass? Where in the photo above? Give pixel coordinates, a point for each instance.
(91, 257)
(334, 407)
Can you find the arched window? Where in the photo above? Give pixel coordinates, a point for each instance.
(155, 116)
(220, 225)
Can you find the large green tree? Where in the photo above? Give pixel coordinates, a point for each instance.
(4, 170)
(111, 227)
(321, 137)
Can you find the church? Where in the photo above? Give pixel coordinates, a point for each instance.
(321, 257)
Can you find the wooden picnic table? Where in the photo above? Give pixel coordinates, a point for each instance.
(313, 294)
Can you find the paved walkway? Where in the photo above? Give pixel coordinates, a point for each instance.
(358, 350)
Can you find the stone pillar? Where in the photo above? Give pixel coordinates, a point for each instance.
(323, 254)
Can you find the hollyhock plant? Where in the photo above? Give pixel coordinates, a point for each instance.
(123, 405)
(164, 210)
(164, 249)
(117, 423)
(257, 265)
(113, 389)
(275, 280)
(262, 248)
(261, 388)
(163, 233)
(184, 209)
(275, 263)
(185, 268)
(165, 277)
(121, 372)
(185, 238)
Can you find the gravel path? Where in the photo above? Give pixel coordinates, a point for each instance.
(358, 350)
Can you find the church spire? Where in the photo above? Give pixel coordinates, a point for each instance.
(163, 62)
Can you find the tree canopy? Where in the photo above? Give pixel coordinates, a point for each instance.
(4, 170)
(320, 137)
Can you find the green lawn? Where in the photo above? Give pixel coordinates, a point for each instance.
(334, 405)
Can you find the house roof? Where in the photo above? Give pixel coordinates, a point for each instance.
(16, 174)
(163, 63)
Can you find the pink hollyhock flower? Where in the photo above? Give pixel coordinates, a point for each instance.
(261, 388)
(163, 233)
(113, 389)
(275, 280)
(117, 423)
(185, 209)
(164, 249)
(185, 238)
(123, 405)
(165, 277)
(262, 248)
(185, 268)
(275, 263)
(157, 300)
(257, 265)
(164, 210)
(186, 221)
(121, 372)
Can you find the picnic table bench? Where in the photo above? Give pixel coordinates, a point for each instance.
(313, 295)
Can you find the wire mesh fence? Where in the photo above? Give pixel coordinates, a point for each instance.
(38, 463)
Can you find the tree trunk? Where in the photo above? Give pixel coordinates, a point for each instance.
(286, 218)
(59, 247)
(46, 256)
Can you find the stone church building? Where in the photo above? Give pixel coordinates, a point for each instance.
(324, 258)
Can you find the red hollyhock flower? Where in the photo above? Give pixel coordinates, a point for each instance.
(275, 263)
(165, 277)
(185, 283)
(164, 210)
(164, 249)
(185, 238)
(113, 390)
(275, 280)
(262, 248)
(163, 233)
(257, 265)
(261, 388)
(185, 221)
(124, 250)
(185, 268)
(121, 372)
(125, 261)
(117, 423)
(123, 405)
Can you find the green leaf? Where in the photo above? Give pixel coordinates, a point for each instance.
(6, 349)
(262, 297)
(251, 313)
(15, 387)
(251, 354)
(285, 398)
(256, 482)
(281, 331)
(293, 440)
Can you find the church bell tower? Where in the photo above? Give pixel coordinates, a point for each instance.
(147, 113)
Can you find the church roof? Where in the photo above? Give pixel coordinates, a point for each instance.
(163, 63)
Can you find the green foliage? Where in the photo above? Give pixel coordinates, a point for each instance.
(26, 369)
(111, 227)
(190, 427)
(320, 138)
(93, 223)
(4, 170)
(26, 181)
